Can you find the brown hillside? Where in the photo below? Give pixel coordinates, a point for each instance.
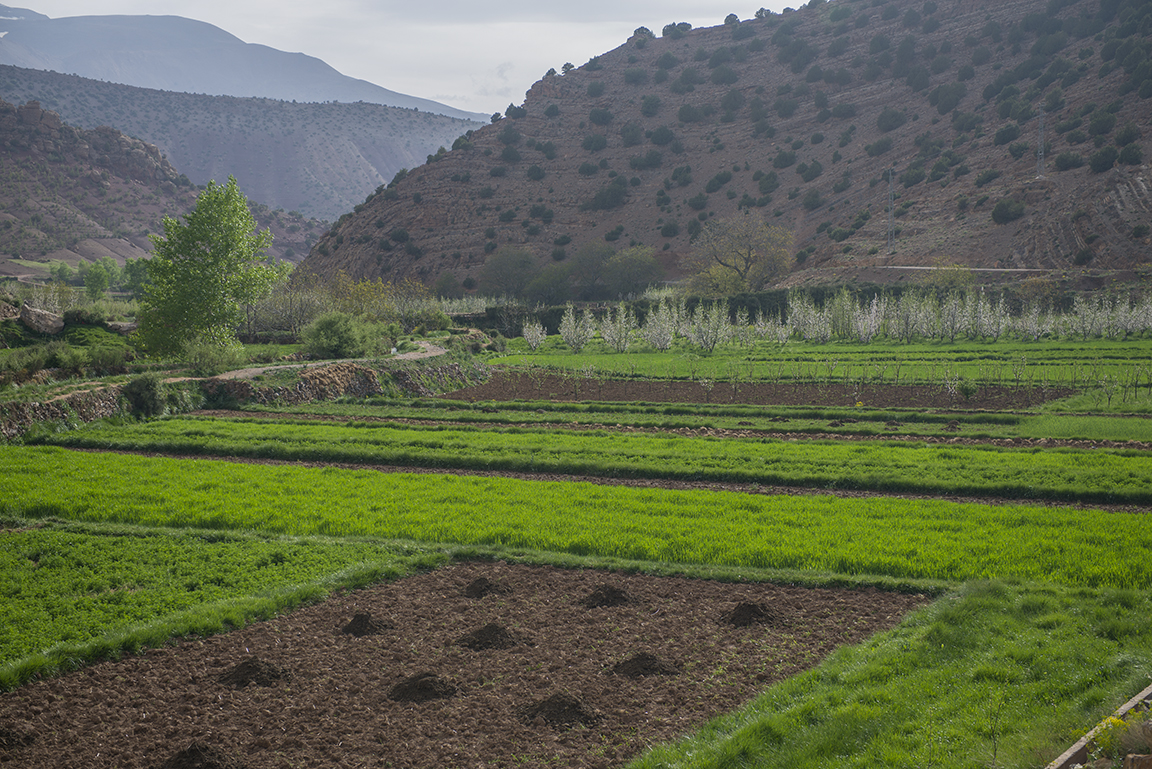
(318, 159)
(814, 82)
(70, 194)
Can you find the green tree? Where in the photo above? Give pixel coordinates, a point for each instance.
(507, 272)
(96, 282)
(739, 254)
(136, 277)
(631, 271)
(203, 270)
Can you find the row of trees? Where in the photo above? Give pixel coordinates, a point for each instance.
(729, 256)
(920, 314)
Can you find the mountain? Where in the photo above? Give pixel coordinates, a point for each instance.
(799, 117)
(70, 194)
(171, 53)
(319, 159)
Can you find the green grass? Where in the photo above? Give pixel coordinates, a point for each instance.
(1068, 474)
(65, 585)
(77, 593)
(1067, 362)
(1048, 635)
(996, 674)
(813, 420)
(898, 538)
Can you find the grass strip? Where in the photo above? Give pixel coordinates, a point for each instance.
(900, 538)
(76, 596)
(1109, 476)
(994, 675)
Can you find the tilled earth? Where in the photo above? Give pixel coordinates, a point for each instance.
(473, 665)
(506, 385)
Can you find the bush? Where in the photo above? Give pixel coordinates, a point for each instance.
(1008, 133)
(600, 116)
(535, 173)
(612, 196)
(1131, 155)
(1007, 210)
(206, 358)
(595, 142)
(662, 136)
(985, 177)
(340, 335)
(1066, 161)
(146, 395)
(890, 119)
(1103, 159)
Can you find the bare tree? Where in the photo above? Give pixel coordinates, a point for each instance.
(742, 253)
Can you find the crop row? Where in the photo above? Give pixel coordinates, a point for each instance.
(1087, 476)
(1067, 363)
(901, 538)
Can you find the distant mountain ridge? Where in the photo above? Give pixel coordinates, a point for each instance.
(319, 159)
(172, 53)
(69, 194)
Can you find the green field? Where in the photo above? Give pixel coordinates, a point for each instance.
(1038, 630)
(1114, 476)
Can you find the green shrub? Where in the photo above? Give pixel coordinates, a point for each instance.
(1103, 159)
(206, 358)
(1007, 210)
(600, 116)
(890, 119)
(147, 395)
(339, 335)
(1066, 161)
(987, 176)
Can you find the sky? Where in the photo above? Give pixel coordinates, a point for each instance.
(473, 55)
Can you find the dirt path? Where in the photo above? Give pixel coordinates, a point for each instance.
(427, 350)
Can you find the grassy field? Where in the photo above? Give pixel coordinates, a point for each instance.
(1114, 476)
(1039, 628)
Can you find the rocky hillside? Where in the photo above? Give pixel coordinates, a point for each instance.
(68, 194)
(320, 159)
(800, 117)
(172, 53)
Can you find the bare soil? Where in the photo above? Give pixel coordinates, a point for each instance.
(515, 385)
(568, 681)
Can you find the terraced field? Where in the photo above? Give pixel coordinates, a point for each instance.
(553, 575)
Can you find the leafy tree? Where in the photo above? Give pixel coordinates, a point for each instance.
(96, 282)
(742, 253)
(588, 265)
(203, 270)
(631, 271)
(550, 286)
(507, 272)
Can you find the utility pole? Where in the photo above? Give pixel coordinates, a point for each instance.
(891, 215)
(1040, 146)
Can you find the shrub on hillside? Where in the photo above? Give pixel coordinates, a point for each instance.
(1007, 210)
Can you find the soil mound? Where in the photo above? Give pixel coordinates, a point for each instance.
(362, 624)
(10, 739)
(253, 671)
(643, 664)
(482, 586)
(421, 688)
(491, 636)
(201, 756)
(561, 709)
(746, 614)
(606, 595)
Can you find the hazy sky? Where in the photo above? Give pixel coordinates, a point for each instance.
(473, 55)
